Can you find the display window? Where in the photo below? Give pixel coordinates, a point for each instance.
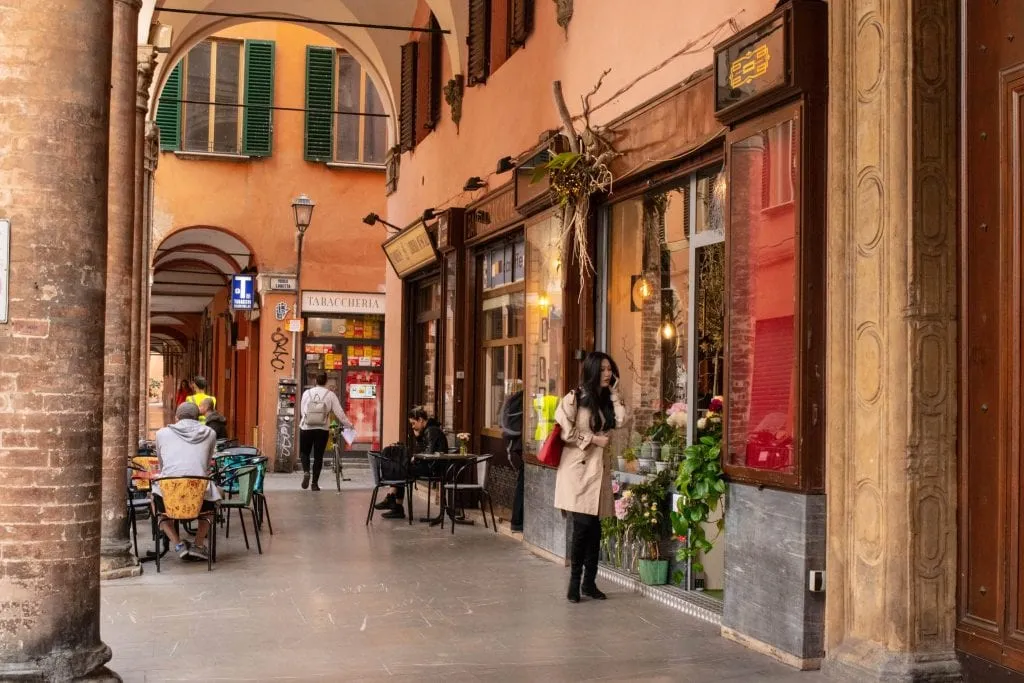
(424, 349)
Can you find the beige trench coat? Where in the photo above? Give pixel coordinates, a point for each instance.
(584, 479)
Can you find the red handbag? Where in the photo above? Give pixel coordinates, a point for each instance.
(550, 452)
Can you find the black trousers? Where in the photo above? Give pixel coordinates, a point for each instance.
(313, 441)
(517, 500)
(586, 547)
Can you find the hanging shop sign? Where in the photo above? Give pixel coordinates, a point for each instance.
(243, 292)
(781, 56)
(410, 250)
(370, 303)
(5, 267)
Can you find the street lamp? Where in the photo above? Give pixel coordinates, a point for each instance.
(302, 206)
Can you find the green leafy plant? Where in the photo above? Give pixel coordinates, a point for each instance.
(701, 487)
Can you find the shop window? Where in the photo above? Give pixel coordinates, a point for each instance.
(497, 28)
(218, 99)
(450, 305)
(763, 367)
(664, 314)
(426, 328)
(545, 331)
(345, 121)
(502, 327)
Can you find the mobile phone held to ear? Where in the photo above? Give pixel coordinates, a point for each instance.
(615, 381)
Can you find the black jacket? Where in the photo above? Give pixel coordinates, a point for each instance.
(432, 438)
(218, 423)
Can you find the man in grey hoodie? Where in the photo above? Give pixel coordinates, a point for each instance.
(185, 449)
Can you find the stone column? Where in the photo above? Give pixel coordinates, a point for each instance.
(116, 557)
(151, 146)
(891, 596)
(54, 117)
(145, 63)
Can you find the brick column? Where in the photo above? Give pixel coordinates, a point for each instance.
(116, 557)
(54, 117)
(891, 404)
(151, 157)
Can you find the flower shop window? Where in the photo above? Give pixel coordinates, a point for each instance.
(772, 433)
(545, 330)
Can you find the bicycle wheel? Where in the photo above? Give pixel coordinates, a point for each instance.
(337, 465)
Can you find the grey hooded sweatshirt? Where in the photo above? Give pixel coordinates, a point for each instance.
(185, 449)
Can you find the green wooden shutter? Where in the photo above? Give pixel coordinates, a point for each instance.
(319, 102)
(168, 111)
(257, 133)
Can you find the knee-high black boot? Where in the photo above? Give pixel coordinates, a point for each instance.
(578, 553)
(593, 553)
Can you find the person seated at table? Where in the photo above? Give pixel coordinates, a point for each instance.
(430, 438)
(185, 449)
(214, 420)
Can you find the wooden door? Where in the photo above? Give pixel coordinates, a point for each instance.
(991, 579)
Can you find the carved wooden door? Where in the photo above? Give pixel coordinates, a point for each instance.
(991, 579)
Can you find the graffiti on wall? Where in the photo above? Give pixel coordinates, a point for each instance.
(284, 440)
(280, 352)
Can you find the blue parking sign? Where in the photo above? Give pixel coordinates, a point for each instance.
(242, 292)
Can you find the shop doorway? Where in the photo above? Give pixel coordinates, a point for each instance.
(991, 577)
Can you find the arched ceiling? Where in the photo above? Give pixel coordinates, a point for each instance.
(378, 50)
(191, 266)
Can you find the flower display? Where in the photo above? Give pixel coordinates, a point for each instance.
(717, 404)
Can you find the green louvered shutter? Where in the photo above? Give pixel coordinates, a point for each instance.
(168, 111)
(319, 102)
(257, 135)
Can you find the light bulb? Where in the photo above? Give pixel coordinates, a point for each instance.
(645, 288)
(668, 330)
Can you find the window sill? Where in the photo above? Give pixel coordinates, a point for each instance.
(357, 166)
(218, 156)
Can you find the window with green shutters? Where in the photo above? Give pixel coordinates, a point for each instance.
(168, 111)
(319, 103)
(219, 99)
(345, 121)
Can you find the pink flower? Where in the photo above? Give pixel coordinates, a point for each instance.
(616, 487)
(621, 508)
(676, 408)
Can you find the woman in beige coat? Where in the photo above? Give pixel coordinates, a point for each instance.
(583, 485)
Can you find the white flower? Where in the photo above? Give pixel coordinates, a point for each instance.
(702, 423)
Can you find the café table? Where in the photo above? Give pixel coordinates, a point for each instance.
(452, 462)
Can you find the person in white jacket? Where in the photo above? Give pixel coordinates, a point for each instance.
(317, 406)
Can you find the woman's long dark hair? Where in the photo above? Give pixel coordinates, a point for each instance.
(592, 396)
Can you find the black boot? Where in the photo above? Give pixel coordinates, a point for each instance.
(387, 503)
(305, 480)
(396, 512)
(574, 588)
(590, 589)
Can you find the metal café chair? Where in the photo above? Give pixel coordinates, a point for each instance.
(399, 474)
(483, 468)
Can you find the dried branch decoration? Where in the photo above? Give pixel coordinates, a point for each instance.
(578, 174)
(453, 90)
(564, 14)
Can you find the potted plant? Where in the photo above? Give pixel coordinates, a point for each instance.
(628, 455)
(701, 488)
(643, 516)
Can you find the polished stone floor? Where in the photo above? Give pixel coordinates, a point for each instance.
(333, 600)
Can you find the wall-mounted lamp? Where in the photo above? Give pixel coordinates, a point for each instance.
(641, 290)
(474, 183)
(428, 215)
(505, 164)
(543, 302)
(668, 330)
(481, 216)
(372, 219)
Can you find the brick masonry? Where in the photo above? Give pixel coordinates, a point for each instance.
(54, 99)
(774, 538)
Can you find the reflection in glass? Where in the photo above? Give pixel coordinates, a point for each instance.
(450, 293)
(226, 115)
(347, 126)
(545, 330)
(763, 299)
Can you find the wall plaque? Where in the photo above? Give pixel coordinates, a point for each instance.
(410, 250)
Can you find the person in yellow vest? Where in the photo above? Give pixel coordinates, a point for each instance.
(199, 394)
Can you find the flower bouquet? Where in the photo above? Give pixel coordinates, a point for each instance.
(462, 439)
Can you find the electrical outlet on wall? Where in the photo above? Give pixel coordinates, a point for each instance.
(816, 581)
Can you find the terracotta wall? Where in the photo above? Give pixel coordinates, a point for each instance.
(508, 114)
(251, 199)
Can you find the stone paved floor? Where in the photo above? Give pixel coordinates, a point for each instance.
(330, 600)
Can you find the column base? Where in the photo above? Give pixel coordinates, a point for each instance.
(118, 562)
(868, 662)
(79, 665)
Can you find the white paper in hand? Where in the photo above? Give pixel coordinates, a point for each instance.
(350, 435)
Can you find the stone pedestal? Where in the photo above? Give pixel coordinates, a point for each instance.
(891, 370)
(116, 557)
(544, 526)
(773, 539)
(54, 117)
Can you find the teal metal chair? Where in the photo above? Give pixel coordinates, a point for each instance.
(245, 478)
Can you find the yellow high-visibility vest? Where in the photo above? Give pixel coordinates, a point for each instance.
(198, 398)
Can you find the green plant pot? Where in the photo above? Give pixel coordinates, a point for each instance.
(654, 572)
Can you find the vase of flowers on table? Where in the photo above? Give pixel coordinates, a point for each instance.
(462, 439)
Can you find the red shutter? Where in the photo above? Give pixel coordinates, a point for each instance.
(478, 41)
(407, 117)
(522, 22)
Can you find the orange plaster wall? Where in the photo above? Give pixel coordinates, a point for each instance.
(252, 200)
(508, 114)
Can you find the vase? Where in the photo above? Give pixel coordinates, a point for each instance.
(645, 464)
(649, 450)
(668, 452)
(654, 572)
(661, 465)
(620, 464)
(462, 448)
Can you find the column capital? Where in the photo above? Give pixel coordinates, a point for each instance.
(145, 68)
